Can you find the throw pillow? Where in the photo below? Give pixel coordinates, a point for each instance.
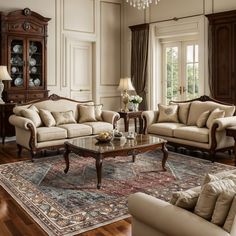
(222, 207)
(187, 199)
(168, 113)
(231, 215)
(215, 114)
(87, 114)
(98, 112)
(208, 196)
(32, 114)
(202, 119)
(47, 118)
(66, 117)
(209, 178)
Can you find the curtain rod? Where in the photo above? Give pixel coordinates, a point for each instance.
(175, 18)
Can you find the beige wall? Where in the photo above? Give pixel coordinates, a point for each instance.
(84, 46)
(168, 9)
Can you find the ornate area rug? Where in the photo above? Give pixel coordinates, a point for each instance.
(68, 204)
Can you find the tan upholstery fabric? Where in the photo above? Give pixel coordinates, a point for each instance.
(77, 130)
(223, 204)
(197, 108)
(99, 126)
(32, 114)
(202, 119)
(165, 129)
(98, 112)
(192, 133)
(168, 113)
(231, 215)
(209, 178)
(86, 114)
(47, 118)
(17, 109)
(183, 111)
(208, 196)
(50, 133)
(215, 114)
(188, 199)
(65, 117)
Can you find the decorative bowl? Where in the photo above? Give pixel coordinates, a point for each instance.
(104, 137)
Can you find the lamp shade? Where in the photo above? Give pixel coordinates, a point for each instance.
(125, 84)
(4, 73)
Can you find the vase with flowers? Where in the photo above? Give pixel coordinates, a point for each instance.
(135, 100)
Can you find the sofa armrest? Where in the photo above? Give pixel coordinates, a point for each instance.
(110, 117)
(21, 122)
(149, 118)
(169, 219)
(225, 122)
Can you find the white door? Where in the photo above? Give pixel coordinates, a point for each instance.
(81, 71)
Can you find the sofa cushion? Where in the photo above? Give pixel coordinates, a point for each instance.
(64, 117)
(165, 129)
(77, 130)
(202, 119)
(208, 196)
(231, 215)
(32, 113)
(99, 126)
(47, 118)
(223, 204)
(215, 114)
(86, 114)
(168, 113)
(50, 133)
(198, 107)
(192, 133)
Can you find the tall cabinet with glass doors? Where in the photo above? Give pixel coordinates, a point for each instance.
(24, 51)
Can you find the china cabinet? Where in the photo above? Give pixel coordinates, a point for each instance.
(222, 56)
(24, 51)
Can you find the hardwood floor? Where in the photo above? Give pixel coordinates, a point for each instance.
(16, 221)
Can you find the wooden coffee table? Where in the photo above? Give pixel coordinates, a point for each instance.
(90, 147)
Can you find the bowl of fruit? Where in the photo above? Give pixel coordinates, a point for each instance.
(104, 137)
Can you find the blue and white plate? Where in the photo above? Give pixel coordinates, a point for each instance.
(18, 81)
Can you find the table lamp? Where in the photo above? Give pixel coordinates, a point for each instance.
(3, 76)
(125, 85)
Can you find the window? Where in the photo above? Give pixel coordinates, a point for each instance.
(180, 70)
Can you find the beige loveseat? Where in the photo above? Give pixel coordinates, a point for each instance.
(185, 132)
(35, 135)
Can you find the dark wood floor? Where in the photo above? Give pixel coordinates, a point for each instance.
(16, 222)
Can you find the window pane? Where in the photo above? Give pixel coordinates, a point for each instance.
(190, 53)
(196, 53)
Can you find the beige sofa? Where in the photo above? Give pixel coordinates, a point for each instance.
(154, 217)
(187, 134)
(34, 138)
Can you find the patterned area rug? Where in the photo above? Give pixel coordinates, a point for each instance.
(68, 204)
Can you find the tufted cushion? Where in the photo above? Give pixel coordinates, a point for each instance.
(47, 118)
(168, 113)
(66, 117)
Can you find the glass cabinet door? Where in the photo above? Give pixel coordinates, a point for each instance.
(17, 63)
(35, 79)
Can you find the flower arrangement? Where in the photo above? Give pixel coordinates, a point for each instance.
(135, 99)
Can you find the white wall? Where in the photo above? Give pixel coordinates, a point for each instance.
(168, 9)
(84, 43)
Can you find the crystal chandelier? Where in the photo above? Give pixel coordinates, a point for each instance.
(141, 4)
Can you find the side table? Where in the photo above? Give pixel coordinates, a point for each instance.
(132, 115)
(6, 129)
(231, 131)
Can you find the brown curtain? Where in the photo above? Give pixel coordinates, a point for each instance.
(139, 58)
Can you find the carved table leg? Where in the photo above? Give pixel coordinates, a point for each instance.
(99, 170)
(165, 155)
(134, 156)
(66, 157)
(19, 150)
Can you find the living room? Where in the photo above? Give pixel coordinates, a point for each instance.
(88, 50)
